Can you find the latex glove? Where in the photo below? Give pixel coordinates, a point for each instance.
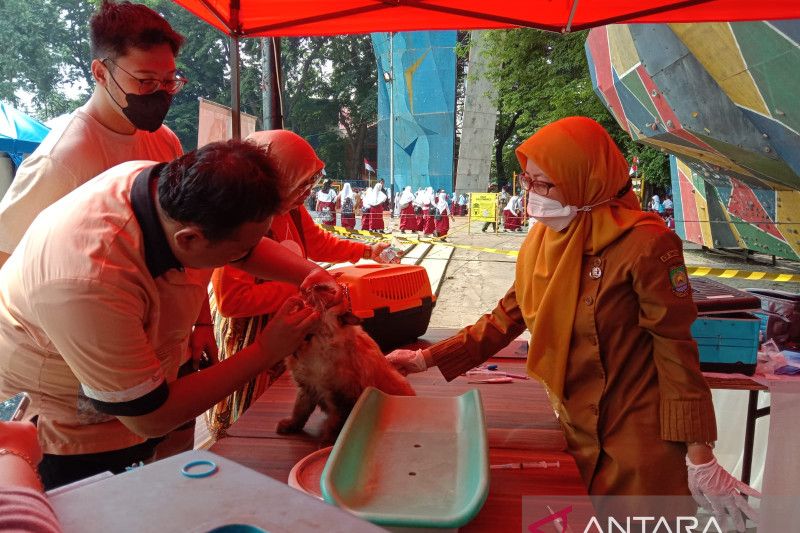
(323, 284)
(202, 342)
(714, 489)
(408, 361)
(378, 248)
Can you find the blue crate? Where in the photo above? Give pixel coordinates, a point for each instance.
(727, 343)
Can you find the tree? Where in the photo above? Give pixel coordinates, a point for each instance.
(541, 77)
(204, 61)
(353, 86)
(330, 85)
(45, 53)
(330, 97)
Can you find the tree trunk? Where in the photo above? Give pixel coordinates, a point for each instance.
(356, 155)
(502, 137)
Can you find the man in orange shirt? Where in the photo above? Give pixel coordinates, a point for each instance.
(98, 301)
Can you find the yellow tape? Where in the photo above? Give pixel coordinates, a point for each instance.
(693, 270)
(372, 235)
(743, 274)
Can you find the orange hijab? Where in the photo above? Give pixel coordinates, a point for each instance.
(581, 159)
(291, 157)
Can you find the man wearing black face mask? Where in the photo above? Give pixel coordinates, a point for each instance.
(133, 64)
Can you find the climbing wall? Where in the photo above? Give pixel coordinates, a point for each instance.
(722, 99)
(421, 78)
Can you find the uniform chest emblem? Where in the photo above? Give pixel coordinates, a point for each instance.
(596, 271)
(679, 279)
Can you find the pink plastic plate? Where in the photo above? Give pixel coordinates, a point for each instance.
(305, 475)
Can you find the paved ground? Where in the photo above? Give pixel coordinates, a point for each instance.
(475, 280)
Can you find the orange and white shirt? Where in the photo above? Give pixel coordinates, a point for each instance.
(95, 313)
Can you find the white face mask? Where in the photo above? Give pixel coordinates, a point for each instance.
(552, 214)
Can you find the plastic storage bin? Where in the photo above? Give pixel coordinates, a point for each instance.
(780, 315)
(395, 302)
(727, 343)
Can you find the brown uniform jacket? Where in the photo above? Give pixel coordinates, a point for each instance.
(634, 393)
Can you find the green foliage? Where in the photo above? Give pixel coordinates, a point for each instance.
(204, 59)
(45, 51)
(46, 54)
(330, 98)
(328, 81)
(541, 77)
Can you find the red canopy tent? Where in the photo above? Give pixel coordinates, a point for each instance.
(286, 18)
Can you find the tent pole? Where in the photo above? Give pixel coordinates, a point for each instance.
(236, 126)
(271, 91)
(391, 121)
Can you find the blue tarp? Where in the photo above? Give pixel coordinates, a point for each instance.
(19, 133)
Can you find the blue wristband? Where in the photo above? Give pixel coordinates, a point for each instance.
(203, 473)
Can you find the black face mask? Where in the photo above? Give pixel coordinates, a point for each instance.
(145, 111)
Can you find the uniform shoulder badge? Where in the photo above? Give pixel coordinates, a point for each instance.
(679, 279)
(669, 255)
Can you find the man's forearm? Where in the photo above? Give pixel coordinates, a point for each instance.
(191, 395)
(270, 260)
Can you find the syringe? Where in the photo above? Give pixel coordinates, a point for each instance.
(535, 464)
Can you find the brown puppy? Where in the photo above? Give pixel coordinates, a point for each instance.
(334, 366)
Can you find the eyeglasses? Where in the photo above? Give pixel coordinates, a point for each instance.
(151, 85)
(312, 182)
(541, 188)
(305, 186)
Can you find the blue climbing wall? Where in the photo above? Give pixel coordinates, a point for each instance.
(424, 74)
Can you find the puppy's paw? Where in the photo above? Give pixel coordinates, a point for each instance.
(288, 426)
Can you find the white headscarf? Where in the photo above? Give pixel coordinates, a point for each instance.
(329, 196)
(514, 205)
(406, 197)
(441, 203)
(429, 197)
(347, 192)
(419, 198)
(375, 196)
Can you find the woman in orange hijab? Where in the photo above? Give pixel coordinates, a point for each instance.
(242, 305)
(603, 289)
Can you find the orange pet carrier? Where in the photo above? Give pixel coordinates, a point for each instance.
(395, 302)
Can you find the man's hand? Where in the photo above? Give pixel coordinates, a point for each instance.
(201, 341)
(286, 330)
(321, 282)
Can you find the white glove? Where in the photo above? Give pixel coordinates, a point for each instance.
(408, 361)
(714, 489)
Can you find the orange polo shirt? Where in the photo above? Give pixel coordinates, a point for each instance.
(95, 314)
